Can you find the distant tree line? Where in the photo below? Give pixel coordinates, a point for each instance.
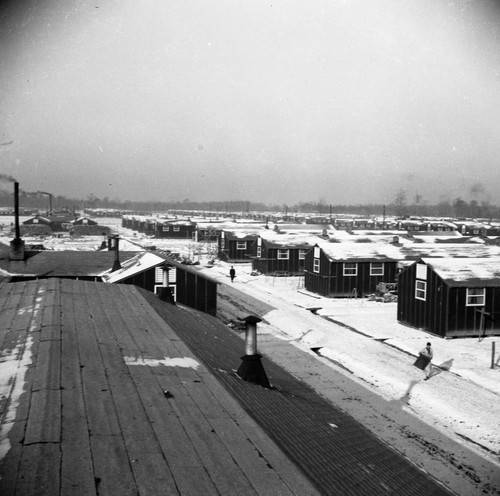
(399, 206)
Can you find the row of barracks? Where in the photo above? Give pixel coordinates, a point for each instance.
(198, 230)
(334, 267)
(461, 306)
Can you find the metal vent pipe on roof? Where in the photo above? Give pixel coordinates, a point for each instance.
(251, 368)
(115, 246)
(17, 244)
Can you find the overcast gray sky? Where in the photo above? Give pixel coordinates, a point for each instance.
(347, 101)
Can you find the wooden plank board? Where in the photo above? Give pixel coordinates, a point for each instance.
(51, 316)
(77, 471)
(48, 366)
(112, 471)
(134, 424)
(172, 437)
(255, 466)
(39, 470)
(140, 443)
(10, 365)
(44, 422)
(204, 399)
(267, 449)
(159, 333)
(9, 304)
(77, 475)
(101, 414)
(220, 465)
(152, 475)
(194, 481)
(9, 466)
(160, 340)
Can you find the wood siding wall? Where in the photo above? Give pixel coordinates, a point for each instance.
(444, 312)
(192, 290)
(363, 283)
(231, 251)
(184, 232)
(318, 283)
(466, 320)
(431, 314)
(196, 292)
(269, 263)
(145, 280)
(332, 282)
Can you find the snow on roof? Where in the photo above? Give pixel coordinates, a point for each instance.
(135, 265)
(175, 222)
(289, 239)
(216, 224)
(470, 223)
(39, 217)
(470, 272)
(450, 250)
(242, 233)
(385, 236)
(442, 223)
(349, 250)
(304, 227)
(232, 226)
(439, 236)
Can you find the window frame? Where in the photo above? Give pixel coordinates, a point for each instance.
(158, 275)
(283, 254)
(421, 290)
(316, 265)
(381, 268)
(241, 243)
(346, 270)
(469, 296)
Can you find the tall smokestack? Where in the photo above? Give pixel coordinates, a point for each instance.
(17, 244)
(16, 209)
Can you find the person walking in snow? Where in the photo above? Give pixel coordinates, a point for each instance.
(232, 273)
(428, 353)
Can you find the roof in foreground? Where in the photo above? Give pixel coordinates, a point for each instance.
(99, 397)
(105, 389)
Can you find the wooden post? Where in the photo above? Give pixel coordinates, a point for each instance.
(493, 354)
(481, 321)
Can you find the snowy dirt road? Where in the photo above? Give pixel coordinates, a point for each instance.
(441, 424)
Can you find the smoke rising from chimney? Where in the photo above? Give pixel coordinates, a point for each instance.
(4, 178)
